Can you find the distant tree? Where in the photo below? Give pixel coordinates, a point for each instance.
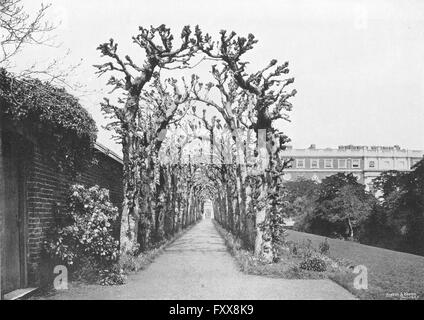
(405, 208)
(351, 206)
(388, 182)
(301, 209)
(301, 188)
(343, 203)
(413, 200)
(300, 196)
(379, 230)
(331, 185)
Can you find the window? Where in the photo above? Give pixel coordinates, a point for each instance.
(328, 163)
(300, 163)
(342, 164)
(371, 164)
(314, 163)
(356, 163)
(386, 164)
(401, 164)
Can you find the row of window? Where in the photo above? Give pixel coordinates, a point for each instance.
(354, 164)
(329, 163)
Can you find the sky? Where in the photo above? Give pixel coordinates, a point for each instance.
(358, 65)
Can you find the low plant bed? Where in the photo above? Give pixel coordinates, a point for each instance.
(296, 260)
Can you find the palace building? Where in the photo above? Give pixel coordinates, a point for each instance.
(364, 162)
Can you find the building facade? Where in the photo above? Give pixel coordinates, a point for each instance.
(365, 163)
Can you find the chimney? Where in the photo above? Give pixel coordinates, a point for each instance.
(313, 147)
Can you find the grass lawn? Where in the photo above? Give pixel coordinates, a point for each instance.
(390, 273)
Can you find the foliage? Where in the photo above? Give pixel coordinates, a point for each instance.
(276, 216)
(388, 271)
(313, 264)
(65, 128)
(86, 232)
(342, 205)
(324, 247)
(330, 186)
(403, 202)
(340, 208)
(381, 230)
(388, 182)
(300, 196)
(112, 276)
(300, 188)
(302, 249)
(350, 206)
(288, 266)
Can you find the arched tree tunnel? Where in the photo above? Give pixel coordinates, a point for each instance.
(193, 170)
(165, 186)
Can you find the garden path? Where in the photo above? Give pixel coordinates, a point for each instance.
(198, 266)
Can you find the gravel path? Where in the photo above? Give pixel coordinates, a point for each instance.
(198, 266)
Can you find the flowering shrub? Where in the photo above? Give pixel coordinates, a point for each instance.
(313, 264)
(112, 276)
(87, 233)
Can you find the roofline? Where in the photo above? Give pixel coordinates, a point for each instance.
(106, 151)
(355, 148)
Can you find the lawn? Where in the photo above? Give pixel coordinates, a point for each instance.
(390, 273)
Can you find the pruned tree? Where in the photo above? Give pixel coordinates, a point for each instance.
(160, 52)
(270, 101)
(164, 104)
(235, 107)
(149, 105)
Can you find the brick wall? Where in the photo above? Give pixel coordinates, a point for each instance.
(45, 192)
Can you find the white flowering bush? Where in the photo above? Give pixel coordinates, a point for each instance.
(87, 234)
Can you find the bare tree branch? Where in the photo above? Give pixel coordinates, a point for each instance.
(19, 28)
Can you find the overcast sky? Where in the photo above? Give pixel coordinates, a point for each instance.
(358, 66)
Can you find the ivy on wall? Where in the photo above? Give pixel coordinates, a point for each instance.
(65, 130)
